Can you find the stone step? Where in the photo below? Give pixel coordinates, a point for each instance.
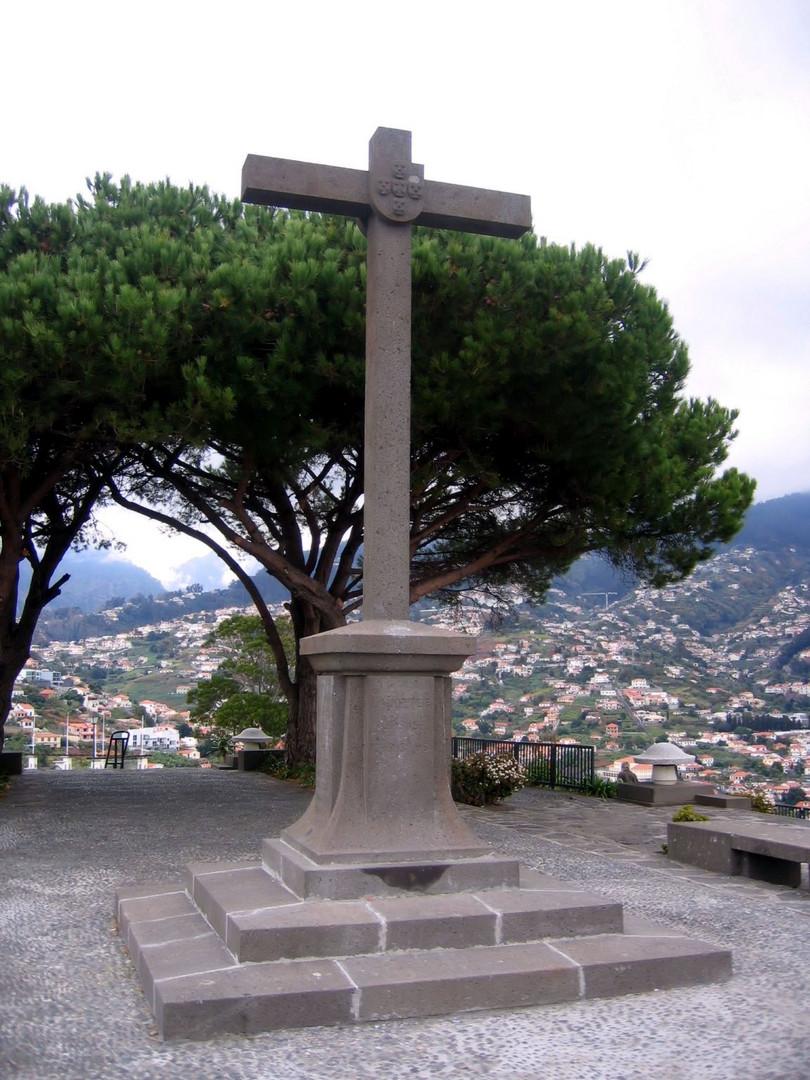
(198, 991)
(222, 889)
(352, 880)
(258, 919)
(248, 969)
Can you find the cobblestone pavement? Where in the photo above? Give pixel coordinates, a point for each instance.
(71, 1007)
(623, 832)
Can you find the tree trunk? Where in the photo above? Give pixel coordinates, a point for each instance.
(13, 649)
(301, 727)
(65, 522)
(9, 670)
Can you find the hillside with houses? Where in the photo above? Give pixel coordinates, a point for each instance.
(719, 664)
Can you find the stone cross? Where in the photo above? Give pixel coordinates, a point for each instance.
(380, 901)
(390, 197)
(382, 795)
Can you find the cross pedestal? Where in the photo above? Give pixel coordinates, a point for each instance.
(380, 902)
(384, 731)
(382, 815)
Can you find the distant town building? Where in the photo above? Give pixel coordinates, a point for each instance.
(165, 739)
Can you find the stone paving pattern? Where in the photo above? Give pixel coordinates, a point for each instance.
(71, 1006)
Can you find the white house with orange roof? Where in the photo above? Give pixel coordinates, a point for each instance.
(165, 738)
(119, 701)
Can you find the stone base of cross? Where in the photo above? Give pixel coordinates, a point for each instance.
(383, 747)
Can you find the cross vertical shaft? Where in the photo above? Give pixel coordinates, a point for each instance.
(386, 526)
(387, 488)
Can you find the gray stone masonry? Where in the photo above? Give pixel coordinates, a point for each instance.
(728, 802)
(384, 725)
(240, 951)
(650, 794)
(248, 955)
(758, 846)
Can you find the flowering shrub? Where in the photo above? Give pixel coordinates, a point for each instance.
(486, 778)
(760, 803)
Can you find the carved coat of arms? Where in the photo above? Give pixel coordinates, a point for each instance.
(396, 193)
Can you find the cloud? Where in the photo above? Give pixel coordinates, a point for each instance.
(677, 130)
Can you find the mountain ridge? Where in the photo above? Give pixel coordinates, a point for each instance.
(775, 536)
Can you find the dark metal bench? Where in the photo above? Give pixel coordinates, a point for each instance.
(758, 847)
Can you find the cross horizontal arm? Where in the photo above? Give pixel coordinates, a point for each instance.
(329, 189)
(476, 210)
(300, 185)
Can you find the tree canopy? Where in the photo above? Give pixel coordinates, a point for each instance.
(548, 421)
(89, 326)
(548, 418)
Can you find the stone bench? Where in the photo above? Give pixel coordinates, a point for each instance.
(758, 847)
(11, 763)
(725, 802)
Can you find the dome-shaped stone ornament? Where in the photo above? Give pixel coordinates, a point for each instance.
(665, 758)
(252, 737)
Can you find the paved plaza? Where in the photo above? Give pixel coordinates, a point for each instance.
(71, 1007)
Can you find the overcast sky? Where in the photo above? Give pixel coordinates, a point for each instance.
(679, 129)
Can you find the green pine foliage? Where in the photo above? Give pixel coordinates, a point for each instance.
(205, 361)
(101, 307)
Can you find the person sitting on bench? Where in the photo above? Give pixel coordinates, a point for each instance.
(626, 775)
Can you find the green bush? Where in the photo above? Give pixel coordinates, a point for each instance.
(172, 761)
(604, 789)
(303, 775)
(482, 779)
(688, 813)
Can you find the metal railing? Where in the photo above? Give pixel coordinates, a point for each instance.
(547, 764)
(790, 811)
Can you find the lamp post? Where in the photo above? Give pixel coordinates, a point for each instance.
(67, 733)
